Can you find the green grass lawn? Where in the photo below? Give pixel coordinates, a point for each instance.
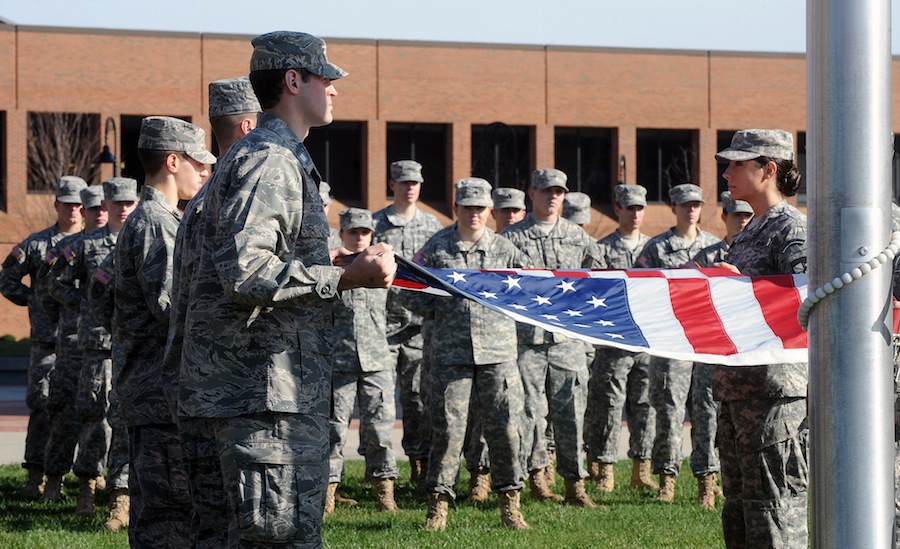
(631, 519)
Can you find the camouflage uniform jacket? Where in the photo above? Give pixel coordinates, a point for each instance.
(773, 243)
(101, 292)
(463, 331)
(27, 258)
(67, 323)
(667, 251)
(68, 282)
(143, 254)
(566, 246)
(710, 255)
(259, 315)
(360, 319)
(615, 253)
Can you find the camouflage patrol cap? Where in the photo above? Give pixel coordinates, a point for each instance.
(406, 170)
(325, 192)
(750, 144)
(630, 195)
(577, 208)
(164, 133)
(120, 189)
(544, 179)
(293, 50)
(232, 96)
(91, 196)
(473, 191)
(734, 206)
(68, 189)
(507, 197)
(356, 218)
(686, 192)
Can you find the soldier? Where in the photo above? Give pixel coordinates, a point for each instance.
(621, 378)
(67, 284)
(552, 366)
(258, 316)
(670, 380)
(509, 207)
(474, 359)
(233, 110)
(577, 208)
(26, 258)
(405, 227)
(362, 369)
(735, 214)
(334, 238)
(174, 156)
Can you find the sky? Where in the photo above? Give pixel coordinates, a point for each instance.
(767, 26)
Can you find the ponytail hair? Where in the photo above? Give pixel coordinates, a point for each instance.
(787, 178)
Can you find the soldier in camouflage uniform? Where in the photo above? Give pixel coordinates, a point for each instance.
(474, 361)
(27, 258)
(762, 433)
(509, 207)
(174, 156)
(621, 379)
(670, 380)
(552, 366)
(405, 227)
(258, 317)
(362, 368)
(334, 238)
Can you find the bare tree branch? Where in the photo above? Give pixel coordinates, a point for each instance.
(61, 144)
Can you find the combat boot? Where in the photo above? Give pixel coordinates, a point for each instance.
(550, 470)
(416, 472)
(438, 508)
(34, 486)
(537, 480)
(606, 480)
(384, 495)
(510, 513)
(119, 506)
(329, 498)
(101, 483)
(53, 491)
(86, 488)
(575, 494)
(706, 491)
(479, 485)
(343, 500)
(594, 470)
(666, 488)
(642, 475)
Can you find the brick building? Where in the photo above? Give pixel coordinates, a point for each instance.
(654, 117)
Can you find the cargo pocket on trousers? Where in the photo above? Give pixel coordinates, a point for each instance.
(267, 502)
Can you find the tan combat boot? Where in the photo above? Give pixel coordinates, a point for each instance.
(86, 488)
(340, 498)
(706, 491)
(606, 480)
(329, 498)
(575, 494)
(101, 483)
(666, 488)
(53, 491)
(415, 472)
(479, 485)
(594, 470)
(34, 486)
(550, 470)
(438, 508)
(642, 475)
(119, 506)
(510, 513)
(384, 495)
(537, 479)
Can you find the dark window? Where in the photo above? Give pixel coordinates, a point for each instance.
(665, 158)
(501, 154)
(61, 144)
(585, 154)
(723, 141)
(128, 144)
(427, 144)
(337, 150)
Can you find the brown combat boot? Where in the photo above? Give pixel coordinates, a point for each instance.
(479, 485)
(34, 486)
(119, 506)
(594, 470)
(384, 495)
(510, 513)
(537, 480)
(101, 483)
(329, 497)
(642, 475)
(706, 491)
(438, 508)
(575, 494)
(340, 498)
(550, 470)
(415, 472)
(606, 480)
(53, 491)
(86, 488)
(666, 488)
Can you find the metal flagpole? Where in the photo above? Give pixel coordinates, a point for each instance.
(849, 148)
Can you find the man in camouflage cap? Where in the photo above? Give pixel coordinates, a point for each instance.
(27, 258)
(259, 271)
(509, 207)
(233, 110)
(577, 208)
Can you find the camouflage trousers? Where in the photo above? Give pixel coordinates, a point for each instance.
(92, 405)
(703, 410)
(475, 448)
(408, 358)
(117, 458)
(619, 379)
(377, 413)
(158, 487)
(209, 522)
(762, 444)
(65, 425)
(498, 398)
(670, 383)
(40, 363)
(555, 378)
(275, 470)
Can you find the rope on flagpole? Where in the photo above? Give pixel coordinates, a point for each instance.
(846, 279)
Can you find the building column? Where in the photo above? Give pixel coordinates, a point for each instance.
(374, 176)
(625, 144)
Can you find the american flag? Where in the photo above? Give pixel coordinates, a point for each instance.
(704, 315)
